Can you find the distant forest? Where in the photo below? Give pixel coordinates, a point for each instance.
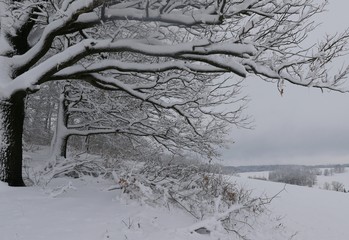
(261, 168)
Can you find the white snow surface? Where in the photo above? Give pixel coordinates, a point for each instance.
(337, 177)
(311, 213)
(74, 209)
(86, 212)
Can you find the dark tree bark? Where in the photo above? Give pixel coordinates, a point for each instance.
(11, 130)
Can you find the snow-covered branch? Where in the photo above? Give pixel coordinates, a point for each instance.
(50, 31)
(43, 71)
(109, 64)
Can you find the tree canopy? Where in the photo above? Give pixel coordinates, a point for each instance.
(174, 59)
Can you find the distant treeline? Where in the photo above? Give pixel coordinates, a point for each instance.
(262, 168)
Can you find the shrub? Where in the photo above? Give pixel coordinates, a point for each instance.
(203, 193)
(334, 186)
(327, 186)
(337, 186)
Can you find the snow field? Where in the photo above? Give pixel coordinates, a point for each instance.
(311, 213)
(75, 209)
(87, 212)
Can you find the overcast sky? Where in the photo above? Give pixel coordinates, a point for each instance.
(304, 126)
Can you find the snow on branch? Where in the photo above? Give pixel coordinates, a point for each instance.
(308, 70)
(256, 37)
(144, 97)
(91, 19)
(173, 123)
(53, 29)
(71, 55)
(121, 66)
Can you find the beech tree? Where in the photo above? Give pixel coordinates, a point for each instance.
(183, 38)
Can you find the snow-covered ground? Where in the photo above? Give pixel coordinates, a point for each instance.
(309, 212)
(338, 177)
(86, 210)
(313, 213)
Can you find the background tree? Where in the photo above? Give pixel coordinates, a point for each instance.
(302, 176)
(337, 186)
(92, 122)
(41, 115)
(339, 169)
(86, 111)
(151, 37)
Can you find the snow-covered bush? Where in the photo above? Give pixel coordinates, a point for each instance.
(337, 186)
(218, 205)
(334, 186)
(327, 186)
(203, 193)
(66, 167)
(301, 176)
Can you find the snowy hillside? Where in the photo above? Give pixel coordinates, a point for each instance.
(311, 213)
(85, 209)
(338, 177)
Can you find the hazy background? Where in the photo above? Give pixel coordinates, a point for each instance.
(304, 126)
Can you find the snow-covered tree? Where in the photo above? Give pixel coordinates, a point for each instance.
(339, 169)
(98, 121)
(168, 42)
(337, 186)
(86, 111)
(302, 176)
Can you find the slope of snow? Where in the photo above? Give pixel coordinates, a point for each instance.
(310, 213)
(74, 209)
(84, 211)
(338, 177)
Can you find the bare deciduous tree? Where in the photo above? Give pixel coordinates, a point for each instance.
(337, 186)
(86, 111)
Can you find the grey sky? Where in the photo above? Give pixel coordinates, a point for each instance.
(304, 126)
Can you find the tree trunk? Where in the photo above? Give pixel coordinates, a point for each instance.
(59, 144)
(11, 130)
(60, 137)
